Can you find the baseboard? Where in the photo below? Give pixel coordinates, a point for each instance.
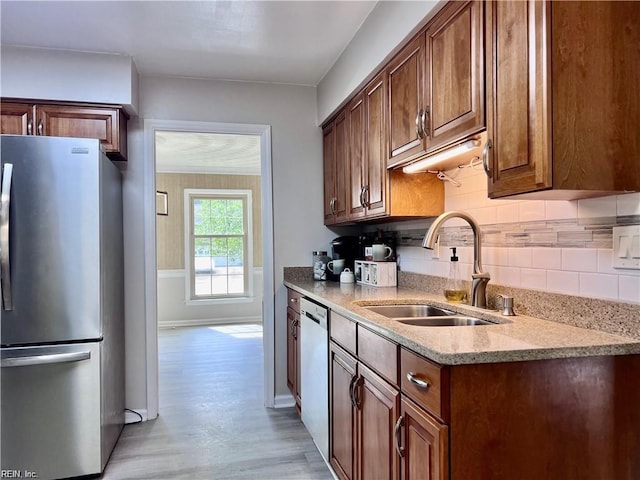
(208, 321)
(284, 401)
(130, 417)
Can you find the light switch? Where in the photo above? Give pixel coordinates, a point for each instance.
(623, 246)
(626, 247)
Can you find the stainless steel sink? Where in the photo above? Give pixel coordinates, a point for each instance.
(409, 311)
(422, 315)
(453, 321)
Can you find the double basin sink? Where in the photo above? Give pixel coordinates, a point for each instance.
(426, 316)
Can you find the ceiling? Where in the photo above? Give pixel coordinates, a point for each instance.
(293, 42)
(214, 153)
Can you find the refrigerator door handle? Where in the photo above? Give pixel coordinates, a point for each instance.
(44, 359)
(5, 259)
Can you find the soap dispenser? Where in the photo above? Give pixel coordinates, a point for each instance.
(455, 290)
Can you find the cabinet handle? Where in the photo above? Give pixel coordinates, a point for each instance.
(419, 131)
(30, 127)
(423, 121)
(351, 385)
(356, 397)
(396, 440)
(485, 157)
(363, 196)
(333, 205)
(417, 381)
(40, 127)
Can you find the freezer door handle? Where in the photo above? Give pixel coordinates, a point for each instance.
(5, 258)
(44, 359)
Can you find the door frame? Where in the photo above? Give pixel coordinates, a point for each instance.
(150, 257)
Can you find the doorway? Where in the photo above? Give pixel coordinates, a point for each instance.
(162, 129)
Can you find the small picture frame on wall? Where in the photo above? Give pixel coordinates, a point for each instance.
(162, 203)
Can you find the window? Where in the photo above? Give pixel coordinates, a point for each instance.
(218, 243)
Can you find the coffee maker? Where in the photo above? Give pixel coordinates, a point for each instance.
(347, 248)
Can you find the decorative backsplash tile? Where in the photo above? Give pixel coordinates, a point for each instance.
(594, 232)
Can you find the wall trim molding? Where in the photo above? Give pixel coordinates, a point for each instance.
(284, 401)
(206, 169)
(130, 417)
(177, 273)
(151, 126)
(198, 322)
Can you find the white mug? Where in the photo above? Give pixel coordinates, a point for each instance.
(381, 252)
(336, 266)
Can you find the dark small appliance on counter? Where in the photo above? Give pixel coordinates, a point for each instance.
(369, 238)
(346, 247)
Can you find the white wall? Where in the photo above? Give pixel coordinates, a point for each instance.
(69, 76)
(585, 272)
(297, 173)
(174, 312)
(384, 29)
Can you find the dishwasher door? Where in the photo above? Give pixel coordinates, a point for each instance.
(314, 376)
(50, 413)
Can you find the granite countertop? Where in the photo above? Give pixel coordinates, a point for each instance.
(510, 339)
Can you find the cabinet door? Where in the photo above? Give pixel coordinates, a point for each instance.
(518, 96)
(335, 152)
(425, 445)
(16, 118)
(357, 158)
(376, 185)
(406, 83)
(83, 122)
(292, 363)
(455, 60)
(342, 414)
(379, 406)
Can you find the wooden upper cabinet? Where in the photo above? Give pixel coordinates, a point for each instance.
(357, 158)
(563, 122)
(375, 194)
(367, 152)
(455, 66)
(405, 76)
(336, 156)
(16, 118)
(105, 123)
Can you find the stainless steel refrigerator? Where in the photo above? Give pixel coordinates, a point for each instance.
(61, 322)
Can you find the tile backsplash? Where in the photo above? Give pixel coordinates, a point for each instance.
(554, 246)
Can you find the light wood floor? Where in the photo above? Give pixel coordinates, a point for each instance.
(212, 422)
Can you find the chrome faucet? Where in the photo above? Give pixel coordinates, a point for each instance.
(479, 278)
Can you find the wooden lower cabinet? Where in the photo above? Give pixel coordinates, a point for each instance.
(343, 413)
(293, 346)
(378, 405)
(364, 410)
(423, 444)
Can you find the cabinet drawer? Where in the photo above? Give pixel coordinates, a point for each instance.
(343, 332)
(378, 353)
(293, 299)
(433, 397)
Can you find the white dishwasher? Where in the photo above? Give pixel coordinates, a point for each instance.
(314, 373)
